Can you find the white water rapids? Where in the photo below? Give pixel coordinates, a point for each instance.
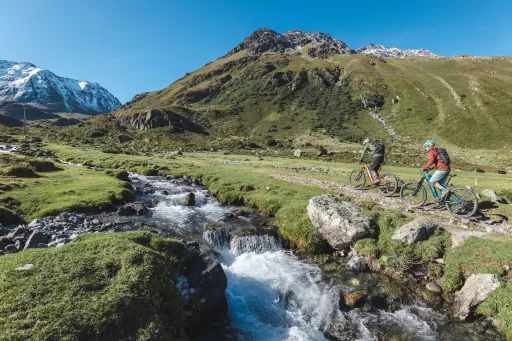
(272, 294)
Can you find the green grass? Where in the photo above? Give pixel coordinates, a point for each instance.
(99, 287)
(65, 189)
(481, 256)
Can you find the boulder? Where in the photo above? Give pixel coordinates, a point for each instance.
(491, 194)
(124, 138)
(355, 298)
(321, 152)
(340, 223)
(16, 232)
(207, 283)
(433, 287)
(131, 209)
(416, 231)
(19, 244)
(10, 249)
(35, 239)
(357, 263)
(297, 153)
(190, 199)
(476, 289)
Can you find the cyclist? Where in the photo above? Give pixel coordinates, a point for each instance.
(442, 167)
(377, 150)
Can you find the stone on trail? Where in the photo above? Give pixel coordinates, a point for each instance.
(340, 223)
(416, 231)
(476, 289)
(35, 239)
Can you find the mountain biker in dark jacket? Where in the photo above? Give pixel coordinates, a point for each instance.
(442, 170)
(376, 149)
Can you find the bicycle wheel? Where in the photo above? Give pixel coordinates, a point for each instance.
(357, 178)
(388, 184)
(461, 202)
(413, 195)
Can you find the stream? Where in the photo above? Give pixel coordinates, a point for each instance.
(274, 294)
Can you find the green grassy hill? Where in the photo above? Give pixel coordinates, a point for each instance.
(287, 99)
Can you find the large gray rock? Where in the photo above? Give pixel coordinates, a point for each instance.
(476, 289)
(491, 194)
(416, 231)
(340, 223)
(35, 239)
(297, 153)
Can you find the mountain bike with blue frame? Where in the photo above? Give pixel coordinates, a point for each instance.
(388, 182)
(460, 202)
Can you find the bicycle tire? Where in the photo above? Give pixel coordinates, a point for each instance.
(357, 178)
(469, 209)
(388, 184)
(411, 189)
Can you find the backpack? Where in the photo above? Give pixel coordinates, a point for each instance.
(379, 147)
(443, 156)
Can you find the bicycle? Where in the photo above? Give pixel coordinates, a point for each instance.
(460, 202)
(388, 182)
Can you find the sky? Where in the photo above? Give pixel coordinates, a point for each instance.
(130, 46)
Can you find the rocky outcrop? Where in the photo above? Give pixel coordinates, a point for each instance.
(476, 289)
(132, 209)
(491, 194)
(156, 118)
(416, 231)
(340, 223)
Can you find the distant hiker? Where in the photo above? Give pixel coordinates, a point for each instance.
(438, 158)
(377, 151)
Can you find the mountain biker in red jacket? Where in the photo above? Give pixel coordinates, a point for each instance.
(442, 170)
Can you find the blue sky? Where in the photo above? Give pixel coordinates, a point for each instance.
(132, 46)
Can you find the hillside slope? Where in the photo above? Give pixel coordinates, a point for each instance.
(269, 89)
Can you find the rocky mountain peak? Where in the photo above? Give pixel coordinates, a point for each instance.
(300, 39)
(263, 40)
(267, 40)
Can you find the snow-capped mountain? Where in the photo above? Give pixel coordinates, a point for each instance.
(26, 83)
(384, 51)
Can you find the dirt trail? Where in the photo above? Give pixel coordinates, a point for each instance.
(459, 229)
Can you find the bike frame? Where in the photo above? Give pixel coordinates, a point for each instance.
(433, 189)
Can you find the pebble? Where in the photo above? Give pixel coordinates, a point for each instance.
(433, 287)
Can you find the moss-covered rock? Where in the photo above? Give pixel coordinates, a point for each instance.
(21, 172)
(100, 287)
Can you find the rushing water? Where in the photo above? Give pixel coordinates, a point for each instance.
(274, 295)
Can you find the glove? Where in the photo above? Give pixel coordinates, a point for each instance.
(425, 169)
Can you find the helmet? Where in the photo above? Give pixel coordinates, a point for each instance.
(366, 141)
(429, 143)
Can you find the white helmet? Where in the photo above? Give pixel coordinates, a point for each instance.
(366, 141)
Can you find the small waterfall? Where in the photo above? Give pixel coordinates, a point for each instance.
(258, 244)
(217, 237)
